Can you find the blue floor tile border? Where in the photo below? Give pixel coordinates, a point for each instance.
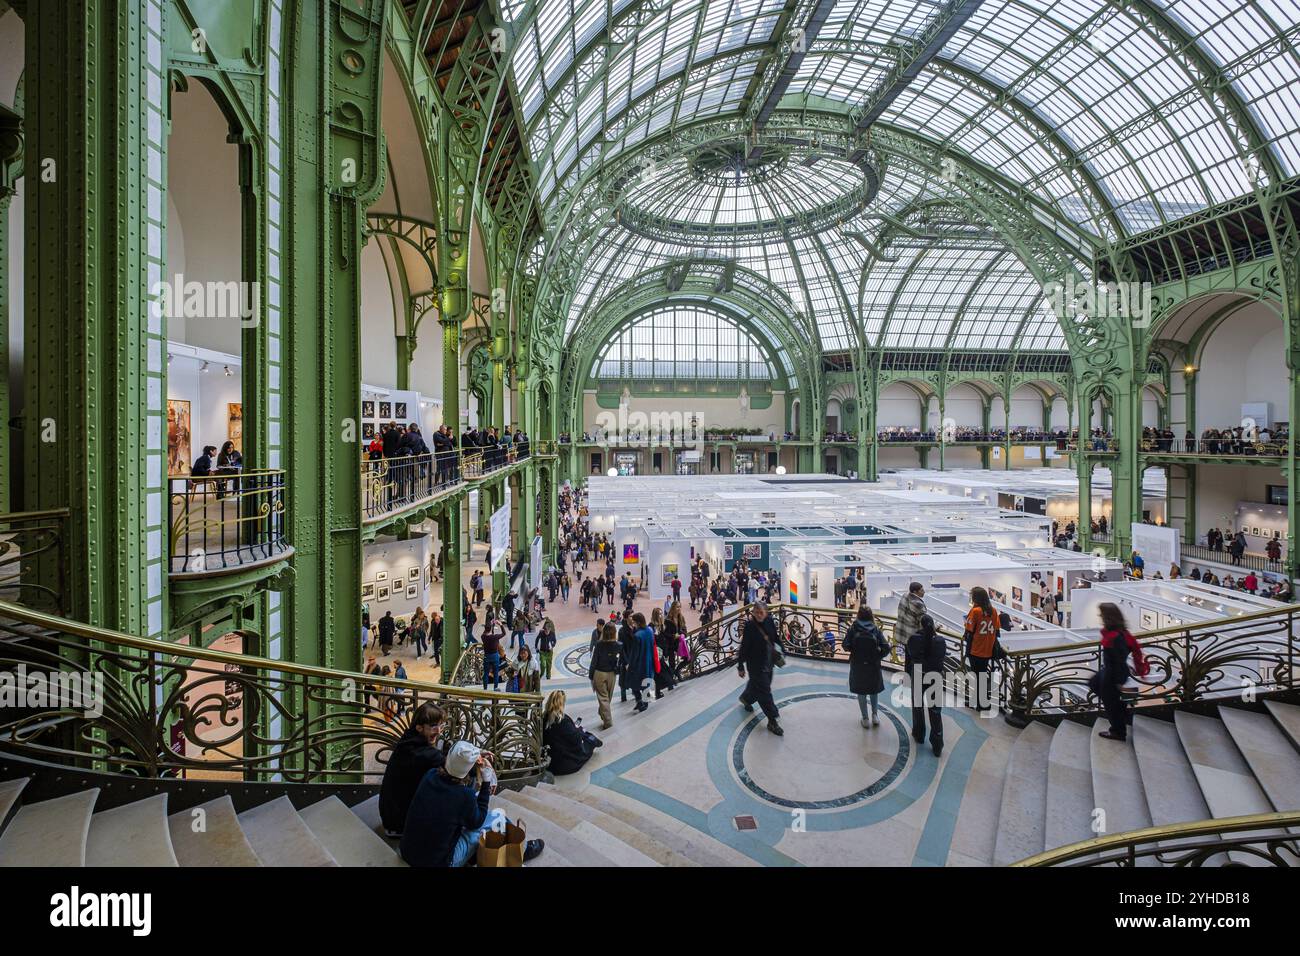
(909, 782)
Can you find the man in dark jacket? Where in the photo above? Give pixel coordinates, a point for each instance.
(925, 654)
(757, 643)
(413, 757)
(387, 630)
(444, 454)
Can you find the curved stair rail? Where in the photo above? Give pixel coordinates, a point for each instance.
(131, 705)
(1268, 839)
(1256, 653)
(1210, 659)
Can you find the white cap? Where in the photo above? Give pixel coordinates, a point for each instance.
(462, 758)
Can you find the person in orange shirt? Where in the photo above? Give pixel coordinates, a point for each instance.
(981, 642)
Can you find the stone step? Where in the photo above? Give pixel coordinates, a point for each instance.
(697, 847)
(1269, 754)
(280, 837)
(212, 838)
(1117, 783)
(10, 791)
(976, 830)
(49, 833)
(635, 836)
(1227, 783)
(1070, 802)
(134, 834)
(1168, 781)
(346, 836)
(1288, 718)
(557, 838)
(1023, 813)
(368, 811)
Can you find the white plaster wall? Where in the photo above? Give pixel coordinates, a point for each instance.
(396, 557)
(712, 412)
(204, 212)
(378, 315)
(1243, 361)
(897, 404)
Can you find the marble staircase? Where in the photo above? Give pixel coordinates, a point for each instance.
(1066, 784)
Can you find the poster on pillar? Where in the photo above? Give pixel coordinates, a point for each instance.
(499, 531)
(535, 564)
(1158, 545)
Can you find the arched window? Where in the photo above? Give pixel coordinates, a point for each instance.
(683, 342)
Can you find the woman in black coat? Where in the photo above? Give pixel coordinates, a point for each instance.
(867, 647)
(570, 746)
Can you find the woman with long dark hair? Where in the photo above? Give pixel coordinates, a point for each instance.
(1116, 646)
(981, 643)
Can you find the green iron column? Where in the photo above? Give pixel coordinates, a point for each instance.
(94, 426)
(450, 530)
(331, 110)
(11, 167)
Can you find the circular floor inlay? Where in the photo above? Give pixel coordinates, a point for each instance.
(825, 758)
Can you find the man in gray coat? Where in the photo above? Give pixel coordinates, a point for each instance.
(910, 611)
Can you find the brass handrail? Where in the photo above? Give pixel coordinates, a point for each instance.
(1125, 849)
(170, 709)
(226, 520)
(32, 555)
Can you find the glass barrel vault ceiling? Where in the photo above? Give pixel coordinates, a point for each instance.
(1115, 81)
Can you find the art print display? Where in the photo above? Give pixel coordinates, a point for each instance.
(367, 590)
(235, 424)
(178, 437)
(412, 591)
(400, 411)
(631, 553)
(382, 593)
(752, 552)
(385, 410)
(1147, 619)
(381, 575)
(413, 574)
(368, 409)
(367, 430)
(669, 571)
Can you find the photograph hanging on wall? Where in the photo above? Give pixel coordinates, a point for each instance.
(385, 410)
(669, 572)
(413, 574)
(400, 412)
(367, 590)
(381, 575)
(729, 551)
(412, 591)
(752, 552)
(367, 430)
(1017, 594)
(368, 409)
(235, 424)
(178, 437)
(382, 593)
(631, 553)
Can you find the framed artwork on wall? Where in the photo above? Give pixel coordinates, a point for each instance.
(381, 575)
(400, 411)
(669, 572)
(631, 553)
(235, 424)
(367, 590)
(368, 409)
(385, 410)
(1147, 619)
(367, 430)
(752, 552)
(178, 436)
(413, 573)
(382, 593)
(412, 591)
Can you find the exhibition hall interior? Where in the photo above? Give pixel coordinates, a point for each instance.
(649, 433)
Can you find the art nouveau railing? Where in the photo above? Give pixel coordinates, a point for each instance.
(389, 485)
(1261, 839)
(154, 709)
(221, 522)
(31, 558)
(1257, 653)
(1254, 654)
